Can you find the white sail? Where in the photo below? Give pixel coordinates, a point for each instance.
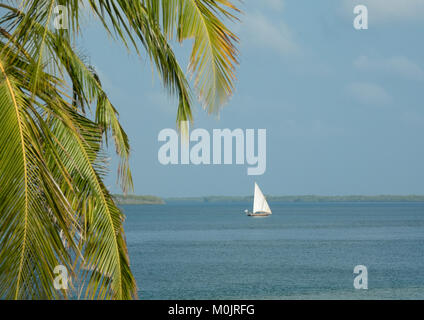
(260, 204)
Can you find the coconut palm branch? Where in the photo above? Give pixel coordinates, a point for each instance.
(54, 206)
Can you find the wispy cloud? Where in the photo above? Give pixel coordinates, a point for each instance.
(400, 66)
(390, 10)
(264, 33)
(369, 93)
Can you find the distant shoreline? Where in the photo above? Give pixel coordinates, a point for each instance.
(154, 200)
(132, 199)
(307, 198)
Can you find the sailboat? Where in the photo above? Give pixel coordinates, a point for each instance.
(260, 205)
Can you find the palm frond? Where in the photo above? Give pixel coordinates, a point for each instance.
(54, 206)
(31, 245)
(214, 55)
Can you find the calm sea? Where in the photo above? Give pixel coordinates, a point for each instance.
(303, 251)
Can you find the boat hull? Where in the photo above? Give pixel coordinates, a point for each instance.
(258, 214)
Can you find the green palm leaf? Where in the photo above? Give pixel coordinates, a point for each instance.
(214, 55)
(31, 245)
(54, 207)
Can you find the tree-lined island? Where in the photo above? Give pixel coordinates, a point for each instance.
(132, 199)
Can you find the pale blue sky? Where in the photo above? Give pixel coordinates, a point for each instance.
(343, 108)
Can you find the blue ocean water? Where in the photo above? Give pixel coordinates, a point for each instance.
(303, 251)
